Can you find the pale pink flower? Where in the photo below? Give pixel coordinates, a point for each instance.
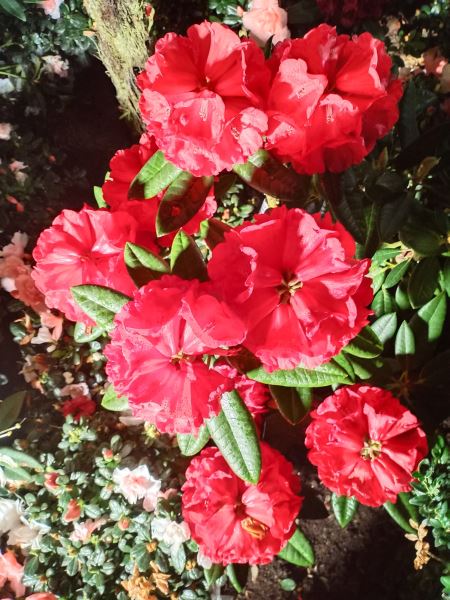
(75, 389)
(5, 131)
(17, 246)
(27, 292)
(264, 20)
(136, 484)
(11, 571)
(434, 62)
(53, 322)
(17, 167)
(42, 596)
(10, 269)
(56, 65)
(82, 531)
(51, 8)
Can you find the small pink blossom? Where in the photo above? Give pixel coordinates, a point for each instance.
(5, 131)
(42, 596)
(51, 8)
(56, 65)
(264, 20)
(75, 389)
(27, 292)
(73, 511)
(53, 322)
(136, 484)
(434, 62)
(82, 531)
(17, 246)
(11, 571)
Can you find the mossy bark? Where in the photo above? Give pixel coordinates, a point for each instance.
(122, 31)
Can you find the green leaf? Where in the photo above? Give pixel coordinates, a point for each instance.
(213, 574)
(14, 8)
(404, 340)
(423, 281)
(214, 232)
(143, 265)
(186, 259)
(238, 575)
(98, 195)
(267, 175)
(298, 550)
(383, 303)
(405, 499)
(322, 376)
(16, 474)
(365, 345)
(20, 458)
(345, 204)
(394, 276)
(154, 177)
(343, 361)
(396, 512)
(344, 508)
(100, 303)
(182, 200)
(83, 334)
(429, 321)
(234, 433)
(422, 240)
(288, 585)
(192, 444)
(111, 401)
(385, 327)
(401, 298)
(446, 276)
(393, 215)
(10, 409)
(407, 123)
(294, 404)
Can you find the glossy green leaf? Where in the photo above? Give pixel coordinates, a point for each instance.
(394, 276)
(422, 240)
(16, 474)
(238, 575)
(157, 174)
(234, 433)
(98, 195)
(383, 303)
(401, 298)
(10, 409)
(181, 201)
(423, 281)
(111, 401)
(322, 376)
(344, 361)
(399, 515)
(293, 403)
(407, 123)
(13, 8)
(344, 508)
(100, 303)
(429, 320)
(267, 175)
(83, 334)
(186, 260)
(213, 574)
(298, 550)
(192, 444)
(385, 327)
(404, 341)
(446, 276)
(365, 345)
(19, 458)
(143, 265)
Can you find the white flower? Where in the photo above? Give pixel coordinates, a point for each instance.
(10, 513)
(43, 336)
(27, 534)
(136, 484)
(5, 131)
(170, 532)
(203, 560)
(82, 531)
(6, 87)
(56, 65)
(51, 8)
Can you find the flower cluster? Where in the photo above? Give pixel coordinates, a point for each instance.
(320, 102)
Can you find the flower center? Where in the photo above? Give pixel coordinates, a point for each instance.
(254, 527)
(371, 449)
(288, 288)
(176, 359)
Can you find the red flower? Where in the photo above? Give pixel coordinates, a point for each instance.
(73, 511)
(256, 396)
(83, 247)
(124, 166)
(78, 407)
(50, 480)
(237, 522)
(349, 12)
(302, 295)
(365, 444)
(201, 98)
(332, 98)
(156, 350)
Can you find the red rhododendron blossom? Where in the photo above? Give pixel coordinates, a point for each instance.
(349, 12)
(124, 167)
(156, 350)
(233, 521)
(80, 406)
(202, 98)
(332, 97)
(365, 444)
(256, 396)
(83, 247)
(302, 296)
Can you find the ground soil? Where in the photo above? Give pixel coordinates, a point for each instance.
(370, 559)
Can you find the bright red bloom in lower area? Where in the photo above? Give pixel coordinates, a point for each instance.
(202, 98)
(84, 247)
(237, 522)
(365, 444)
(332, 97)
(124, 166)
(78, 407)
(293, 280)
(155, 357)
